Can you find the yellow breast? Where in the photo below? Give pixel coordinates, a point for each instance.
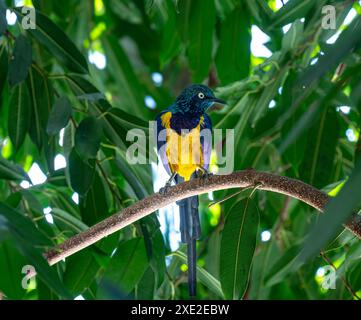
(184, 152)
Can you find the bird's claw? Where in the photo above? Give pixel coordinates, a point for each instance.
(164, 190)
(205, 175)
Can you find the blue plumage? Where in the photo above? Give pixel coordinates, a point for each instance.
(187, 117)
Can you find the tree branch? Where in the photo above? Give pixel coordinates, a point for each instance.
(241, 179)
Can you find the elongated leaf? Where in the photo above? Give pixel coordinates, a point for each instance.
(42, 96)
(10, 171)
(128, 265)
(59, 116)
(292, 10)
(269, 93)
(233, 54)
(201, 21)
(20, 61)
(322, 140)
(81, 172)
(146, 287)
(122, 71)
(114, 132)
(347, 42)
(126, 120)
(283, 266)
(157, 260)
(204, 276)
(237, 247)
(3, 22)
(19, 115)
(57, 42)
(22, 226)
(66, 221)
(3, 68)
(88, 137)
(170, 44)
(293, 36)
(94, 206)
(81, 269)
(337, 211)
(43, 270)
(11, 264)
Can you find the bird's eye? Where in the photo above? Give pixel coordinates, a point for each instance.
(201, 95)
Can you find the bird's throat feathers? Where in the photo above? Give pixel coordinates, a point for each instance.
(181, 121)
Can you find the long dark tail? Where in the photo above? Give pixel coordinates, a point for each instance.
(190, 229)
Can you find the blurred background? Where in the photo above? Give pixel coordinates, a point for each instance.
(70, 90)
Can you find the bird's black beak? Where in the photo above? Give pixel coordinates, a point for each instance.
(217, 104)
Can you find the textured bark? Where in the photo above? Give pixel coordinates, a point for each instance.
(241, 179)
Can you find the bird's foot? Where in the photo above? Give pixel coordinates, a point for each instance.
(164, 190)
(204, 174)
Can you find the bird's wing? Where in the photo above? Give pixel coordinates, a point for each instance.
(161, 141)
(206, 140)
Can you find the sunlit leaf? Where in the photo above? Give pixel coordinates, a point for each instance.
(237, 246)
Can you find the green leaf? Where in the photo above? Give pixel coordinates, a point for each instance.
(88, 137)
(322, 140)
(114, 132)
(145, 289)
(120, 68)
(81, 172)
(348, 41)
(57, 42)
(66, 221)
(293, 36)
(80, 272)
(19, 116)
(204, 276)
(11, 264)
(3, 68)
(20, 61)
(128, 265)
(3, 22)
(22, 227)
(126, 120)
(268, 93)
(233, 54)
(201, 19)
(171, 40)
(59, 116)
(43, 270)
(10, 171)
(336, 212)
(42, 96)
(94, 206)
(283, 266)
(292, 10)
(238, 243)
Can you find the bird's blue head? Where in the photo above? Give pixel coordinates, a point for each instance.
(195, 100)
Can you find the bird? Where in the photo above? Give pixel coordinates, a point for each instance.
(185, 152)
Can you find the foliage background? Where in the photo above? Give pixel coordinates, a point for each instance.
(295, 112)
